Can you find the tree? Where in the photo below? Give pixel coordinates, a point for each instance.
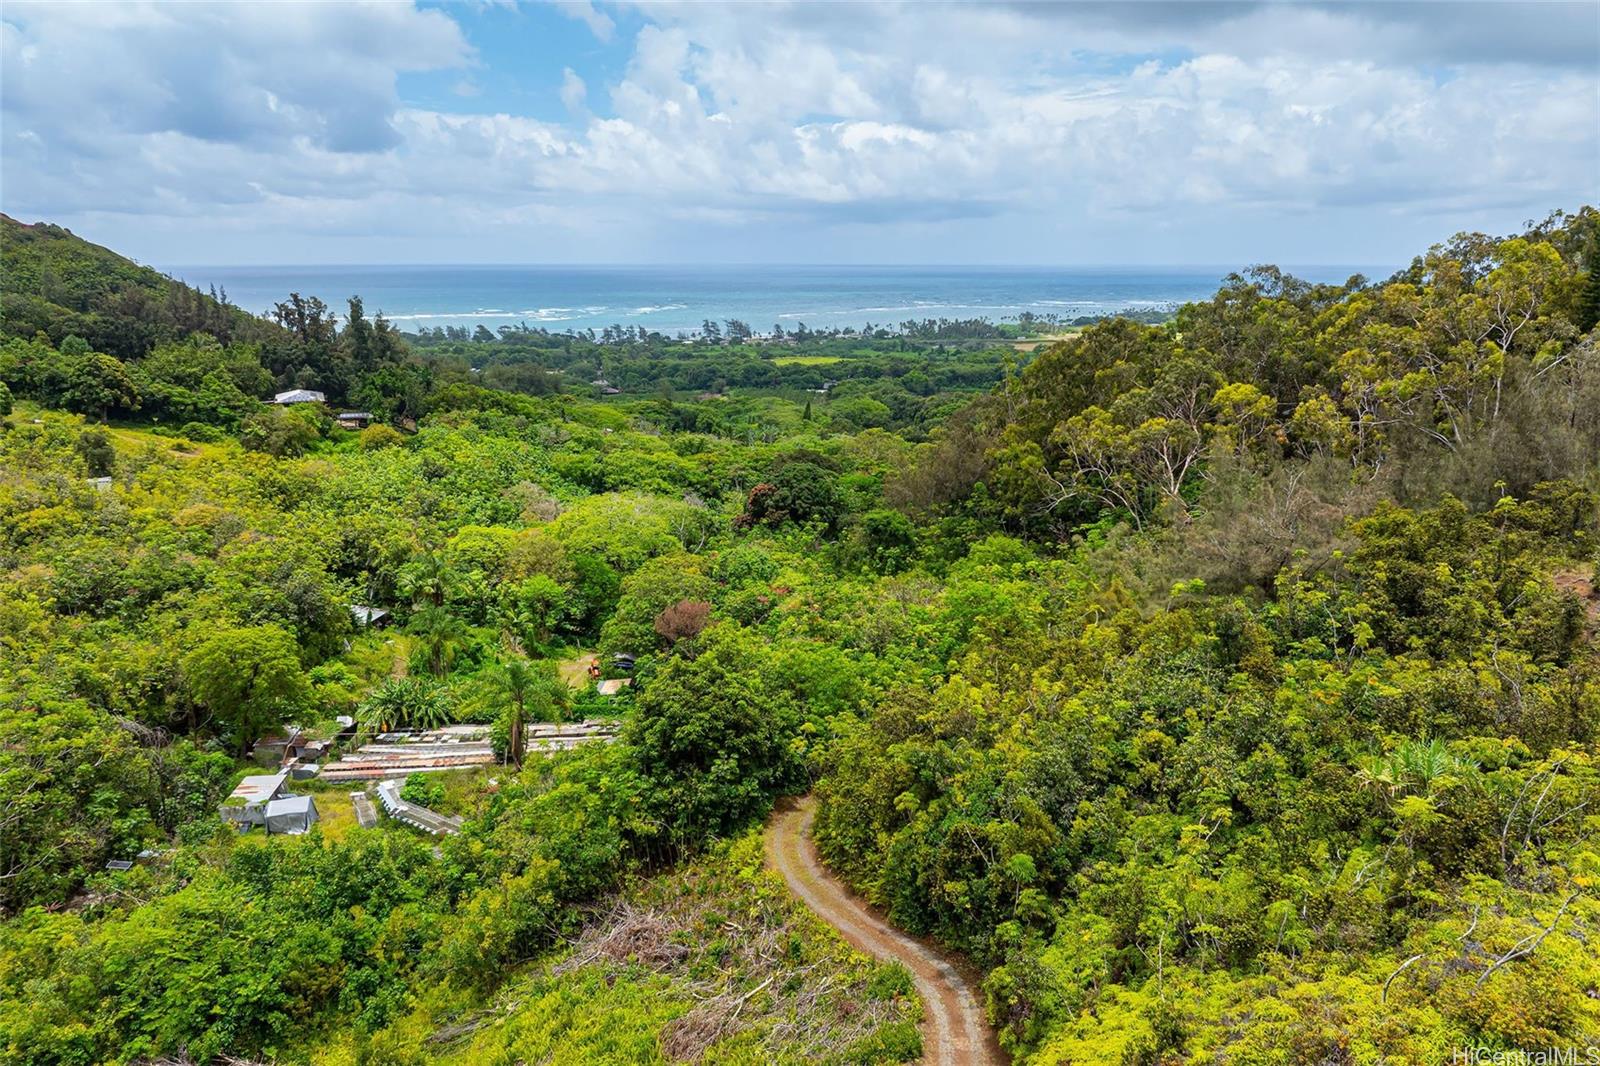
(98, 454)
(281, 433)
(713, 737)
(891, 540)
(248, 678)
(376, 438)
(683, 620)
(99, 384)
(527, 691)
(799, 491)
(405, 703)
(441, 636)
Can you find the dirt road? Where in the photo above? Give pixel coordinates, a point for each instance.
(954, 1032)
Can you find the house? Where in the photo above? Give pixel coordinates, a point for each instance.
(247, 805)
(369, 617)
(353, 419)
(275, 750)
(291, 814)
(294, 396)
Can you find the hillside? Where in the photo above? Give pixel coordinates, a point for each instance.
(55, 282)
(1222, 690)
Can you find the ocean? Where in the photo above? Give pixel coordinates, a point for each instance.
(677, 299)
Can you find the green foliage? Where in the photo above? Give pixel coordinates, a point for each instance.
(424, 790)
(712, 736)
(249, 680)
(1224, 689)
(406, 703)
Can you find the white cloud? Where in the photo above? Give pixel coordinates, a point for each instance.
(573, 91)
(911, 121)
(599, 23)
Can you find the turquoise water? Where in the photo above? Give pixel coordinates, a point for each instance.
(673, 299)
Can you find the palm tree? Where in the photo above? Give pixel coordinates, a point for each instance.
(528, 690)
(442, 634)
(516, 681)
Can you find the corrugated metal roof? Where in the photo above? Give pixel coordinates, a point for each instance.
(259, 787)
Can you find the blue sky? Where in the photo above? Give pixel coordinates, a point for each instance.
(1081, 133)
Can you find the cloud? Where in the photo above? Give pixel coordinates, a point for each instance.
(573, 91)
(253, 75)
(905, 120)
(599, 23)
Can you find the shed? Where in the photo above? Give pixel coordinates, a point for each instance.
(299, 396)
(291, 814)
(613, 686)
(276, 749)
(368, 617)
(247, 805)
(353, 419)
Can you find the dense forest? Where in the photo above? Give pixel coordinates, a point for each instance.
(1225, 688)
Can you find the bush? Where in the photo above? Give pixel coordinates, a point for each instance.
(375, 438)
(424, 790)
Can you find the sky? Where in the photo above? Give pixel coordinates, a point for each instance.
(993, 133)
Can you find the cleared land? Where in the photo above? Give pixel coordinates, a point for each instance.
(807, 360)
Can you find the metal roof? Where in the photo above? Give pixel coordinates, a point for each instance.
(258, 787)
(299, 396)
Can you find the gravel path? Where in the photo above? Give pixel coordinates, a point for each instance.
(954, 1032)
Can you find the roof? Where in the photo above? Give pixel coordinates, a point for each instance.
(356, 414)
(613, 686)
(290, 805)
(258, 787)
(367, 615)
(299, 396)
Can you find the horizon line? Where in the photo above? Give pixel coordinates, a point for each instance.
(732, 264)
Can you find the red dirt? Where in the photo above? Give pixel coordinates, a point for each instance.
(954, 1032)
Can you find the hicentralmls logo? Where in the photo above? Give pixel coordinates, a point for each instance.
(1553, 1056)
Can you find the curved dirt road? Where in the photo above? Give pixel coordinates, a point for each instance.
(954, 1032)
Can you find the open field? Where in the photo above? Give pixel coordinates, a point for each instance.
(807, 360)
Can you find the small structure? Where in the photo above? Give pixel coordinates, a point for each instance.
(247, 805)
(613, 686)
(353, 419)
(277, 749)
(369, 617)
(429, 821)
(624, 661)
(291, 815)
(366, 813)
(294, 396)
(119, 864)
(103, 484)
(611, 390)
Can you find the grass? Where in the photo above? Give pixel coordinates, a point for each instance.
(336, 813)
(807, 360)
(715, 964)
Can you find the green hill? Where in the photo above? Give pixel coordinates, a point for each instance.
(55, 282)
